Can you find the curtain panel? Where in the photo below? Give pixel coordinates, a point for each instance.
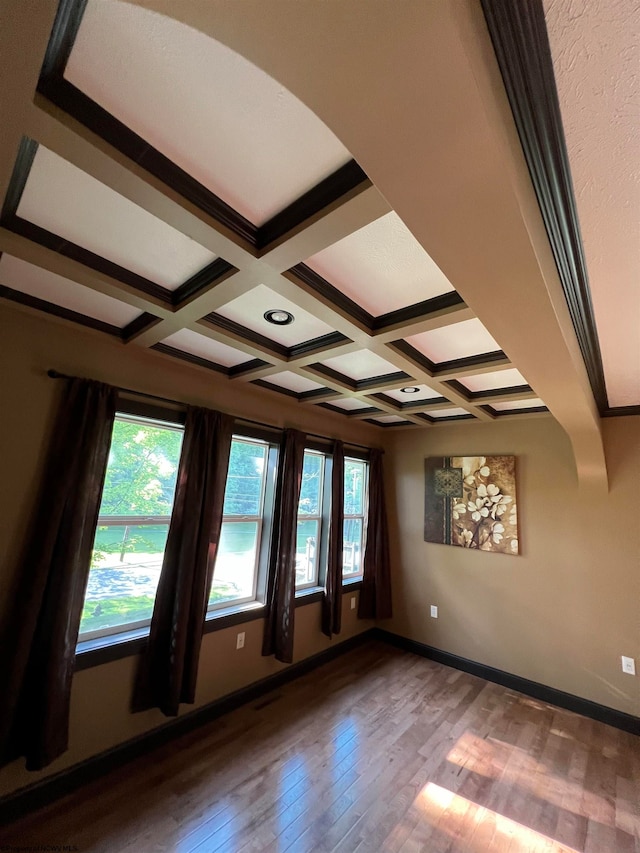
(35, 681)
(168, 666)
(375, 595)
(281, 592)
(332, 598)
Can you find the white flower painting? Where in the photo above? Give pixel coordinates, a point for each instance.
(470, 501)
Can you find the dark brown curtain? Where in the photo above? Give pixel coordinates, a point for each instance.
(169, 665)
(39, 645)
(332, 599)
(375, 595)
(281, 592)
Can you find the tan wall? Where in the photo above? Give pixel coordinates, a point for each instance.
(564, 611)
(29, 345)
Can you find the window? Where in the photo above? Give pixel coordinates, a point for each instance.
(310, 545)
(135, 513)
(133, 524)
(240, 570)
(355, 501)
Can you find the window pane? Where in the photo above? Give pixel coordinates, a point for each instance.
(127, 557)
(352, 547)
(311, 486)
(354, 486)
(142, 469)
(124, 575)
(233, 575)
(243, 492)
(307, 544)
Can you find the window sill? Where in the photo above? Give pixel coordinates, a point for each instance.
(315, 593)
(226, 617)
(90, 653)
(308, 595)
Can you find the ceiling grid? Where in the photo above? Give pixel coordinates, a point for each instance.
(136, 210)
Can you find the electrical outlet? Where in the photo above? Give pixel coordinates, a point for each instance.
(628, 665)
(353, 602)
(240, 640)
(434, 611)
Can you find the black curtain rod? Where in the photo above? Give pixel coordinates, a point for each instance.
(55, 374)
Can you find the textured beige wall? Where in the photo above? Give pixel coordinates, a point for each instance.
(29, 345)
(563, 611)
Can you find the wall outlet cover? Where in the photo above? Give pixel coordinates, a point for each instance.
(434, 611)
(628, 665)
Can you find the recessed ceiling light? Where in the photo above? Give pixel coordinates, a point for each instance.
(279, 317)
(410, 389)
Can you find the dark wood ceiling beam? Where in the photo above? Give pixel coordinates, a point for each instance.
(71, 140)
(425, 377)
(426, 323)
(353, 211)
(230, 338)
(234, 284)
(489, 397)
(48, 259)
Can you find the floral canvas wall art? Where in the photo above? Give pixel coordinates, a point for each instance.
(470, 501)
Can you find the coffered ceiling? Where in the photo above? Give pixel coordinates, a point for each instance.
(169, 181)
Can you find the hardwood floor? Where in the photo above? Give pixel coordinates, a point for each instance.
(379, 750)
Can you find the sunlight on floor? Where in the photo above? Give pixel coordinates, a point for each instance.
(511, 764)
(447, 811)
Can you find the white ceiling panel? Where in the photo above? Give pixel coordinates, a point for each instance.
(423, 393)
(448, 413)
(28, 278)
(293, 382)
(360, 365)
(521, 404)
(458, 340)
(205, 347)
(382, 267)
(350, 404)
(220, 118)
(248, 310)
(496, 379)
(389, 419)
(73, 205)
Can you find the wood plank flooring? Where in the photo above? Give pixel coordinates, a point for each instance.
(378, 750)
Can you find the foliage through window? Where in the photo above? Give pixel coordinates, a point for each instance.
(235, 576)
(135, 513)
(133, 524)
(310, 516)
(355, 502)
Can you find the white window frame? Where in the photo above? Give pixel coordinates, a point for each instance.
(356, 576)
(322, 521)
(261, 552)
(131, 521)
